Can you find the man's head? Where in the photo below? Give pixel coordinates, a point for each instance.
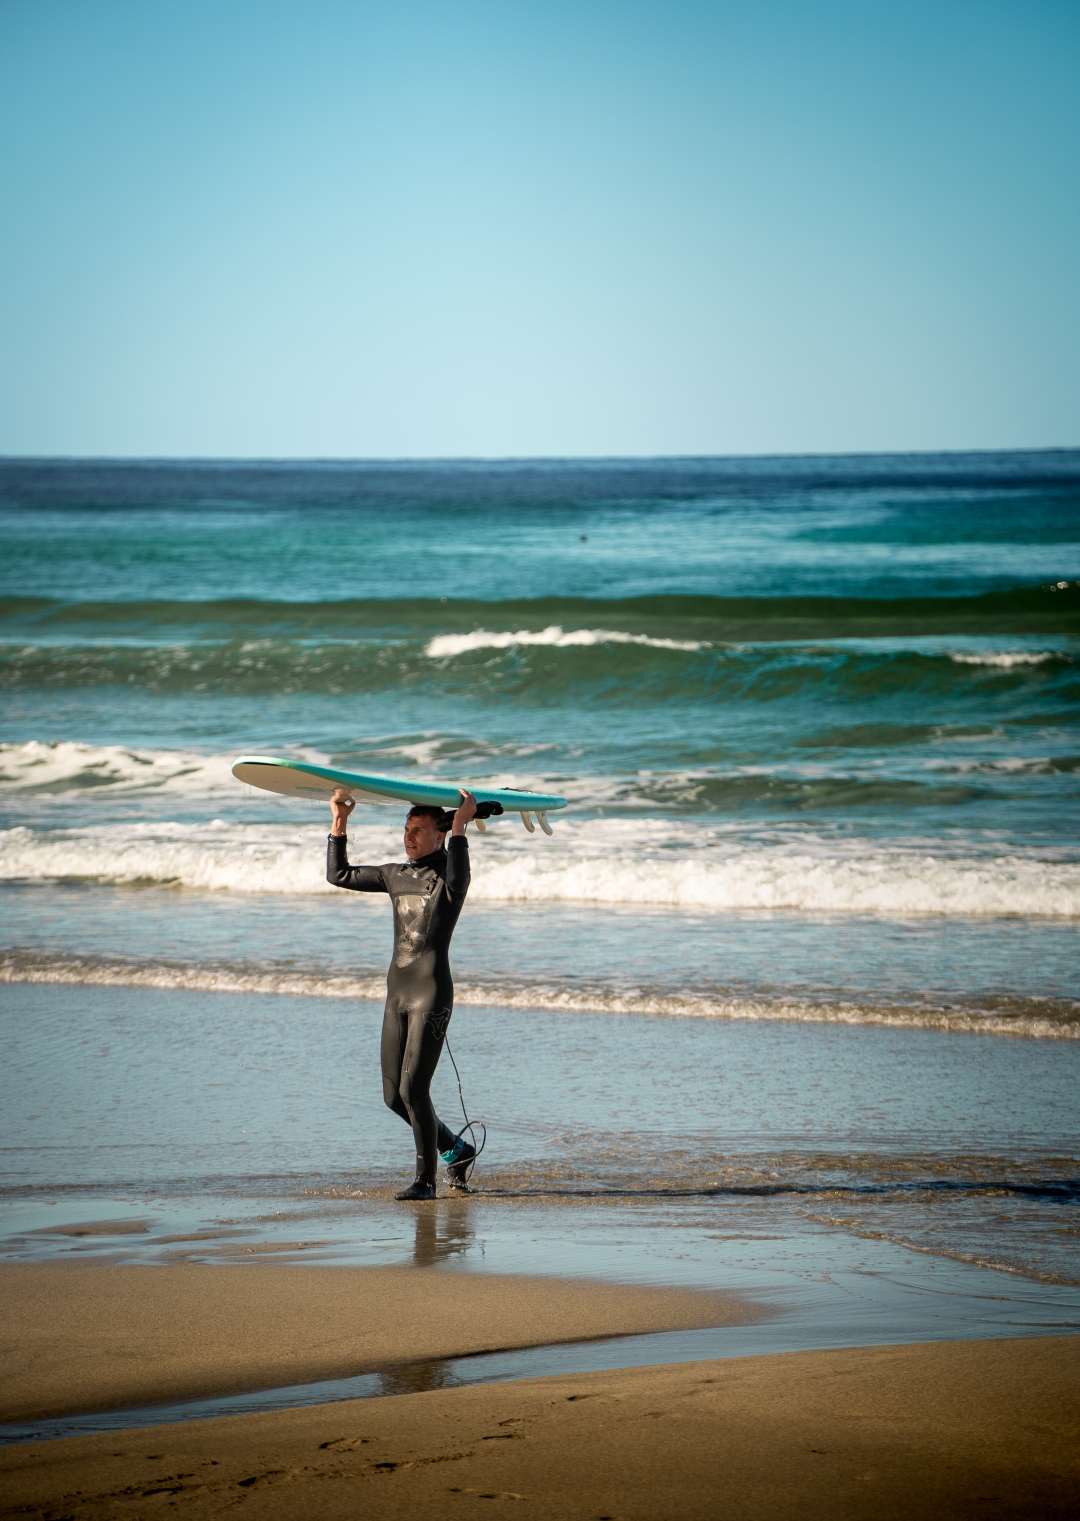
(422, 834)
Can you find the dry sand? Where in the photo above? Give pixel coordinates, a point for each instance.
(79, 1337)
(953, 1429)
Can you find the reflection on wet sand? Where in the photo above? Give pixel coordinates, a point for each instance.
(442, 1233)
(418, 1378)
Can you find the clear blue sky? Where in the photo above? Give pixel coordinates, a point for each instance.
(338, 228)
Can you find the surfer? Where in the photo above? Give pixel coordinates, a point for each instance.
(427, 894)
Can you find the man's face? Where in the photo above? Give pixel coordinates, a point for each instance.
(421, 836)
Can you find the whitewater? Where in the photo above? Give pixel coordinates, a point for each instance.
(668, 864)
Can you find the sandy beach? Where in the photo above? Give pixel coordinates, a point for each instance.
(935, 1430)
(82, 1337)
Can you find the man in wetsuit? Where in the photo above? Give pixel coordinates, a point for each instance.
(427, 894)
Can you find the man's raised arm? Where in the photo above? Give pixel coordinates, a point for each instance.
(458, 874)
(360, 879)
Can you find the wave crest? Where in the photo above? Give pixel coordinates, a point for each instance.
(582, 664)
(1006, 658)
(37, 767)
(554, 636)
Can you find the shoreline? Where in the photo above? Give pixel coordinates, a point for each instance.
(81, 1337)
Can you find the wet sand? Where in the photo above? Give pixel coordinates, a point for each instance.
(82, 1337)
(950, 1429)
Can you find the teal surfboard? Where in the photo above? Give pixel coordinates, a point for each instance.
(295, 778)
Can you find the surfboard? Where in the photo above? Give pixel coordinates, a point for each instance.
(293, 778)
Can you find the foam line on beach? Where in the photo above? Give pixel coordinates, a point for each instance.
(1044, 1018)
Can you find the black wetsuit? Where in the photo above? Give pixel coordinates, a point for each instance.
(427, 896)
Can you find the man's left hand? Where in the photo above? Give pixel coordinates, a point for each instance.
(465, 812)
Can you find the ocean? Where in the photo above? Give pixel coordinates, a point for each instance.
(798, 964)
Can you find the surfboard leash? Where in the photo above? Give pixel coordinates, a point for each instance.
(469, 1125)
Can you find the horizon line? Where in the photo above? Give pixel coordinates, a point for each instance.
(523, 459)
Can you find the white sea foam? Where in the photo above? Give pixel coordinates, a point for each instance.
(218, 856)
(661, 862)
(24, 967)
(1005, 658)
(19, 967)
(69, 766)
(444, 645)
(876, 882)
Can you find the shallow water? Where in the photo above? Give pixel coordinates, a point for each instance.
(1006, 975)
(957, 1144)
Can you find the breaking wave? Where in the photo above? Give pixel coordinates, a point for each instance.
(654, 862)
(553, 637)
(1004, 658)
(37, 768)
(555, 663)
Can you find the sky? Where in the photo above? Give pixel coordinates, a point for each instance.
(445, 228)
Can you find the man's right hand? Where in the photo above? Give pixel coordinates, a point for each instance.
(341, 805)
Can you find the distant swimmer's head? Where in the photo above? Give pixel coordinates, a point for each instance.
(425, 830)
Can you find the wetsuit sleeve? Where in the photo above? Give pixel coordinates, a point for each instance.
(361, 879)
(458, 875)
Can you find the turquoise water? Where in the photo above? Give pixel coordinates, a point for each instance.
(818, 722)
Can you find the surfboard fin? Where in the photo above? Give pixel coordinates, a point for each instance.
(526, 819)
(541, 819)
(478, 821)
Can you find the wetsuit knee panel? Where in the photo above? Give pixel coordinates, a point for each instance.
(411, 1089)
